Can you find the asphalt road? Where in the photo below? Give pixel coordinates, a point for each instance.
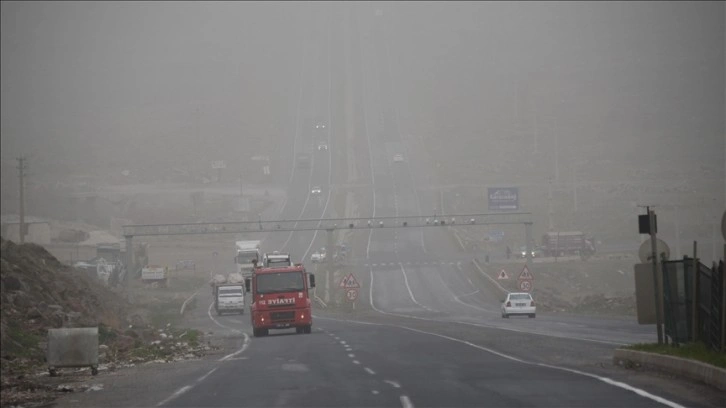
(427, 330)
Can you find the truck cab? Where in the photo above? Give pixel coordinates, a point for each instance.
(280, 299)
(276, 260)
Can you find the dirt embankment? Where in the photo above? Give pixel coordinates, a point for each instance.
(38, 293)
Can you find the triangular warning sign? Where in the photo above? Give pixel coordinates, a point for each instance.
(526, 274)
(503, 275)
(351, 282)
(343, 281)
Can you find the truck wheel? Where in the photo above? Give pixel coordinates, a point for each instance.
(299, 330)
(308, 329)
(532, 316)
(255, 333)
(218, 312)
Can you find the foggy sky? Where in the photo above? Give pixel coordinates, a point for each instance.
(83, 81)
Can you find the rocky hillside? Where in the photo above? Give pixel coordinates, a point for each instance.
(38, 293)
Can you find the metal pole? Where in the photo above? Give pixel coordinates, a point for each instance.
(557, 155)
(656, 281)
(129, 257)
(574, 186)
(528, 239)
(549, 203)
(694, 294)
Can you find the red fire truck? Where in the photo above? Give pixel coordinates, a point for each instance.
(280, 299)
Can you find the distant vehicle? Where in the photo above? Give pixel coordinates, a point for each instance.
(247, 255)
(567, 243)
(316, 190)
(317, 257)
(322, 145)
(320, 126)
(518, 303)
(536, 252)
(229, 296)
(398, 158)
(276, 260)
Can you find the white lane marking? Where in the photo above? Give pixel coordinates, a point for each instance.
(184, 305)
(209, 313)
(369, 371)
(351, 355)
(342, 342)
(606, 380)
(467, 294)
(375, 392)
(406, 402)
(458, 298)
(204, 377)
(177, 393)
(356, 362)
(245, 344)
(392, 383)
(410, 293)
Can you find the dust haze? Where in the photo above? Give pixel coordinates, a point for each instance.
(591, 109)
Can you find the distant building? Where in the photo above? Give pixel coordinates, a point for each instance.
(38, 229)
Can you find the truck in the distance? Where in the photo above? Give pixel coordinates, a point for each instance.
(276, 260)
(247, 256)
(280, 299)
(565, 243)
(229, 293)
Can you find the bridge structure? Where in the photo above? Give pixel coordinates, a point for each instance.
(330, 225)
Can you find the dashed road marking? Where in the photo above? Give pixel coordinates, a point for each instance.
(369, 371)
(392, 383)
(356, 362)
(406, 402)
(351, 355)
(374, 392)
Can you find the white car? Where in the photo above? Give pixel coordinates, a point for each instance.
(320, 126)
(316, 190)
(317, 257)
(398, 158)
(519, 303)
(322, 146)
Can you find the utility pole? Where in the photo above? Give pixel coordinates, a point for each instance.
(557, 154)
(549, 203)
(22, 167)
(657, 281)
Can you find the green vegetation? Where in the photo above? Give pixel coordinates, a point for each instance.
(21, 343)
(189, 335)
(692, 351)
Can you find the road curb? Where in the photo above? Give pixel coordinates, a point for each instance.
(694, 370)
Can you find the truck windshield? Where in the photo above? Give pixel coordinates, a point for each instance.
(233, 291)
(280, 282)
(274, 263)
(245, 258)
